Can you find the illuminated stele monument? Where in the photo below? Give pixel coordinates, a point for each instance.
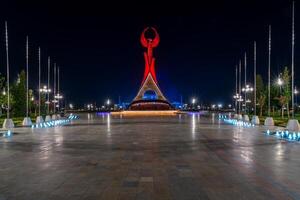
(149, 96)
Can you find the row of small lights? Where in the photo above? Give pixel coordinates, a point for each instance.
(235, 122)
(55, 122)
(291, 136)
(51, 123)
(46, 124)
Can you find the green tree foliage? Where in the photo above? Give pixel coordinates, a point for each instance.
(18, 91)
(286, 88)
(260, 93)
(3, 97)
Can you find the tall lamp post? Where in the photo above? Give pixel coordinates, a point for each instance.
(48, 90)
(108, 104)
(246, 90)
(58, 96)
(296, 92)
(279, 83)
(193, 103)
(54, 116)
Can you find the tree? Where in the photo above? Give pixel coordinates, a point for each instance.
(260, 93)
(286, 88)
(283, 100)
(18, 91)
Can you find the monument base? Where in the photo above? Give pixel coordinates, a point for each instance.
(239, 117)
(255, 120)
(8, 124)
(48, 118)
(54, 117)
(269, 121)
(293, 125)
(39, 119)
(150, 105)
(145, 112)
(246, 118)
(27, 121)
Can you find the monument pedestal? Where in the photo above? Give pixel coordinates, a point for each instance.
(240, 117)
(48, 118)
(27, 121)
(269, 121)
(54, 117)
(39, 119)
(293, 125)
(255, 120)
(246, 118)
(8, 124)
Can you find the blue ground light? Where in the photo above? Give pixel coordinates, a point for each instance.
(7, 134)
(59, 122)
(285, 134)
(235, 122)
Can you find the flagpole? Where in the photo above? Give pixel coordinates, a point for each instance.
(269, 74)
(27, 120)
(236, 86)
(240, 66)
(255, 78)
(54, 89)
(245, 63)
(293, 59)
(48, 87)
(7, 71)
(39, 81)
(58, 94)
(27, 96)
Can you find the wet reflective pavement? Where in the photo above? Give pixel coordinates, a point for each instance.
(180, 157)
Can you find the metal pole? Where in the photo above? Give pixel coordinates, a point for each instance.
(39, 81)
(240, 66)
(54, 90)
(48, 87)
(245, 82)
(293, 54)
(27, 77)
(236, 87)
(7, 69)
(254, 77)
(58, 94)
(269, 74)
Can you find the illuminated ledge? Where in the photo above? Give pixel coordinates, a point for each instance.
(146, 112)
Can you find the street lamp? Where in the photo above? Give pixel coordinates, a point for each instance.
(220, 106)
(45, 89)
(246, 90)
(193, 103)
(280, 82)
(296, 93)
(71, 106)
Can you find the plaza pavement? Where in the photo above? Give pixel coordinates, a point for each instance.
(180, 157)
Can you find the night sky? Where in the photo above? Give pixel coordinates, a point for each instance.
(100, 55)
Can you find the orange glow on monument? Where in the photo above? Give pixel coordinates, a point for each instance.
(149, 96)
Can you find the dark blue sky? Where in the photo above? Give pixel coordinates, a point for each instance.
(98, 48)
